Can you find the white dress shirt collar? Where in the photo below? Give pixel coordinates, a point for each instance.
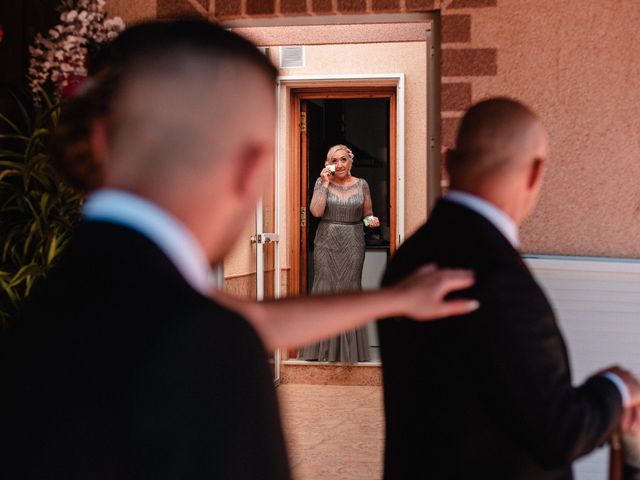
(493, 214)
(166, 231)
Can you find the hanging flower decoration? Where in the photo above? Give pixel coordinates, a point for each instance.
(61, 56)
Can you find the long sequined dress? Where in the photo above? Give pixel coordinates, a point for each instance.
(338, 258)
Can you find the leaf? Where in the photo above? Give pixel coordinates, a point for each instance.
(24, 272)
(7, 289)
(12, 165)
(47, 99)
(44, 201)
(15, 156)
(51, 114)
(15, 136)
(23, 111)
(45, 181)
(37, 210)
(7, 245)
(9, 172)
(35, 137)
(53, 249)
(10, 124)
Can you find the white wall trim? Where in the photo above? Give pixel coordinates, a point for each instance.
(367, 18)
(287, 82)
(583, 264)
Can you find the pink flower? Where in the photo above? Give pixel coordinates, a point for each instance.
(61, 55)
(71, 16)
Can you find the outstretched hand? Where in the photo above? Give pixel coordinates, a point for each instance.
(630, 380)
(630, 436)
(298, 321)
(425, 290)
(630, 421)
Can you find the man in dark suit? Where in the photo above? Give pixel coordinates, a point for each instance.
(489, 395)
(121, 365)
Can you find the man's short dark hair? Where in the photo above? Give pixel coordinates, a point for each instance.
(139, 46)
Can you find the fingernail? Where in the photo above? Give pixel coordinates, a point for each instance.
(474, 305)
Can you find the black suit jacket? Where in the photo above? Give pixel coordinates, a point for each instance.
(487, 395)
(631, 473)
(118, 369)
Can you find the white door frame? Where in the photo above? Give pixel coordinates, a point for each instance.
(288, 82)
(274, 238)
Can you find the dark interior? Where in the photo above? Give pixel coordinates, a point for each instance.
(363, 125)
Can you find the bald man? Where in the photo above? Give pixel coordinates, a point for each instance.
(490, 395)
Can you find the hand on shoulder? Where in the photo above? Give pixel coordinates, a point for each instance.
(424, 293)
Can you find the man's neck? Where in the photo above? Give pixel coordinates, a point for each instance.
(493, 195)
(158, 225)
(491, 212)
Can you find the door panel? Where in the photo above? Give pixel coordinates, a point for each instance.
(251, 269)
(313, 160)
(267, 242)
(317, 122)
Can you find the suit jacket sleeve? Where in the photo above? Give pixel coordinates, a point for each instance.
(631, 473)
(527, 356)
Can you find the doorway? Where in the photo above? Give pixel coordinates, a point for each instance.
(347, 54)
(365, 120)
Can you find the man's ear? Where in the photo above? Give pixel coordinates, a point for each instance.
(450, 157)
(250, 169)
(536, 172)
(99, 141)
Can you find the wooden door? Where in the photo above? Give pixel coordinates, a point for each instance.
(306, 118)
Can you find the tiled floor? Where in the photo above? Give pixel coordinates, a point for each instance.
(333, 432)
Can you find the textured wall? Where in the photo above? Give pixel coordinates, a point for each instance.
(576, 64)
(242, 258)
(574, 61)
(132, 11)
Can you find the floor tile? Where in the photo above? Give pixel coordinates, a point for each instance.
(333, 432)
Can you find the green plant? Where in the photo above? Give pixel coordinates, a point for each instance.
(37, 210)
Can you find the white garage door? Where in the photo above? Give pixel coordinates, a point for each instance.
(598, 305)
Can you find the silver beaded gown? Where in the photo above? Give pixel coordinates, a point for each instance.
(338, 257)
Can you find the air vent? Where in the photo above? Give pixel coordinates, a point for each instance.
(292, 57)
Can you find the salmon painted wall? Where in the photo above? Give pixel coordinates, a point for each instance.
(574, 61)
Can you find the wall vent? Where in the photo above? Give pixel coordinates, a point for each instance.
(292, 57)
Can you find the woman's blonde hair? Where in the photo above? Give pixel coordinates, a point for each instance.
(336, 148)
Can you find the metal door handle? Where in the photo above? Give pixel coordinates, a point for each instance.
(264, 238)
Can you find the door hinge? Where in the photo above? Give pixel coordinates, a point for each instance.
(303, 122)
(303, 216)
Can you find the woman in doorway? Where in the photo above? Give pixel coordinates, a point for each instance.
(344, 203)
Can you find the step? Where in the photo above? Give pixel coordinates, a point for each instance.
(330, 373)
